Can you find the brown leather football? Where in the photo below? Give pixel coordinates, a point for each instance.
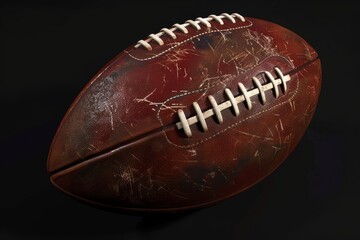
(190, 116)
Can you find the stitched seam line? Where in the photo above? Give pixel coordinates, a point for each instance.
(187, 40)
(234, 124)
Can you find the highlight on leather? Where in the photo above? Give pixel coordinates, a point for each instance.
(245, 96)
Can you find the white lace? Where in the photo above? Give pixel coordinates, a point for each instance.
(233, 101)
(182, 28)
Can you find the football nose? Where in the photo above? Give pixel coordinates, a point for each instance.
(92, 124)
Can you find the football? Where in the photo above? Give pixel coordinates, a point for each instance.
(187, 117)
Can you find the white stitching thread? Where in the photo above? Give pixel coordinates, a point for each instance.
(228, 77)
(217, 18)
(200, 116)
(272, 80)
(280, 74)
(232, 102)
(235, 124)
(184, 122)
(182, 27)
(187, 40)
(230, 126)
(261, 89)
(194, 24)
(216, 108)
(246, 95)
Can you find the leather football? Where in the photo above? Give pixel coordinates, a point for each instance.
(188, 117)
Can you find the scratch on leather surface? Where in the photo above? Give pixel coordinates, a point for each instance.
(233, 125)
(156, 166)
(187, 40)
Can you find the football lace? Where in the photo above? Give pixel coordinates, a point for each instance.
(183, 28)
(233, 101)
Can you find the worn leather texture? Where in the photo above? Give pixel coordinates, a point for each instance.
(118, 144)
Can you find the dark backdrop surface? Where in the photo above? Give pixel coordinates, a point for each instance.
(50, 50)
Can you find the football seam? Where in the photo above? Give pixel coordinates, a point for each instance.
(187, 40)
(232, 125)
(122, 145)
(110, 151)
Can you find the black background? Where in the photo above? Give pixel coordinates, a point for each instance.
(50, 50)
